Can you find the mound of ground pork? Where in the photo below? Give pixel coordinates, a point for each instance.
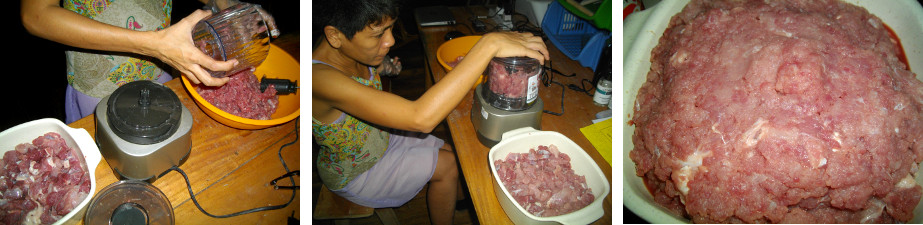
(780, 112)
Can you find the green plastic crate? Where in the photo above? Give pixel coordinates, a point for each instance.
(602, 17)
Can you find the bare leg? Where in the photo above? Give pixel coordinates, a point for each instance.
(443, 188)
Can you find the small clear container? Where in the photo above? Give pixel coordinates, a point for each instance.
(239, 32)
(512, 83)
(130, 202)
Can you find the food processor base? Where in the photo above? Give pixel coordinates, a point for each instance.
(491, 122)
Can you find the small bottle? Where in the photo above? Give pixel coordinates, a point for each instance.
(603, 95)
(603, 92)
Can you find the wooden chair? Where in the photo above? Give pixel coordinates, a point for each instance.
(332, 206)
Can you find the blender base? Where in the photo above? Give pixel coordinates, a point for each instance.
(491, 122)
(153, 177)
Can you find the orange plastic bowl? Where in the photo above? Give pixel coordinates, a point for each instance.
(279, 65)
(452, 49)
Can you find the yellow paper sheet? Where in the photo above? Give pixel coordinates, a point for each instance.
(600, 135)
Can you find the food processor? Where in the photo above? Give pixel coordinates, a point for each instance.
(143, 130)
(508, 99)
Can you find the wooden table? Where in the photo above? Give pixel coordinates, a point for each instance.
(472, 155)
(229, 169)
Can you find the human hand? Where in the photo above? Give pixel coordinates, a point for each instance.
(511, 44)
(216, 6)
(270, 22)
(174, 47)
(390, 67)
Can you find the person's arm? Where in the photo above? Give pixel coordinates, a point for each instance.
(429, 110)
(173, 45)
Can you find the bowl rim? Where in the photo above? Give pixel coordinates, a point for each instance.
(439, 50)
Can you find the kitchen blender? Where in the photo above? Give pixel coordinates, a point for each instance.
(142, 130)
(508, 99)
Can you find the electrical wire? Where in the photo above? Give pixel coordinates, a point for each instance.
(547, 78)
(523, 25)
(562, 101)
(582, 88)
(265, 208)
(492, 27)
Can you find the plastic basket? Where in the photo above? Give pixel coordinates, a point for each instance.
(602, 17)
(576, 37)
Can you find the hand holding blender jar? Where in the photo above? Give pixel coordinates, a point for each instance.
(241, 31)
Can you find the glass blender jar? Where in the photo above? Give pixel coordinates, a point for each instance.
(512, 83)
(240, 32)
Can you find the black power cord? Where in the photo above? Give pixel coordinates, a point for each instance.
(562, 101)
(265, 208)
(582, 88)
(547, 79)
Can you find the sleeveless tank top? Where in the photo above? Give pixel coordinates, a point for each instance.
(97, 73)
(348, 146)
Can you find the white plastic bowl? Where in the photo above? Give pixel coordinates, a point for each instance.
(79, 139)
(520, 141)
(642, 32)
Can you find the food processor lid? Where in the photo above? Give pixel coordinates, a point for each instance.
(518, 60)
(143, 112)
(130, 202)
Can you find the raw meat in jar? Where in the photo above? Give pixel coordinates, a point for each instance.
(780, 112)
(543, 182)
(242, 97)
(510, 81)
(41, 181)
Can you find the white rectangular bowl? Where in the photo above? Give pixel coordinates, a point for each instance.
(79, 139)
(520, 141)
(642, 32)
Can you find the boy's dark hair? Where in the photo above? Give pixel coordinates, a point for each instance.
(351, 16)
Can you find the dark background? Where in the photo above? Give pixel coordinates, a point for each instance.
(35, 72)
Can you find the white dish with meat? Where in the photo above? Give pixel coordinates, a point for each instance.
(521, 140)
(66, 168)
